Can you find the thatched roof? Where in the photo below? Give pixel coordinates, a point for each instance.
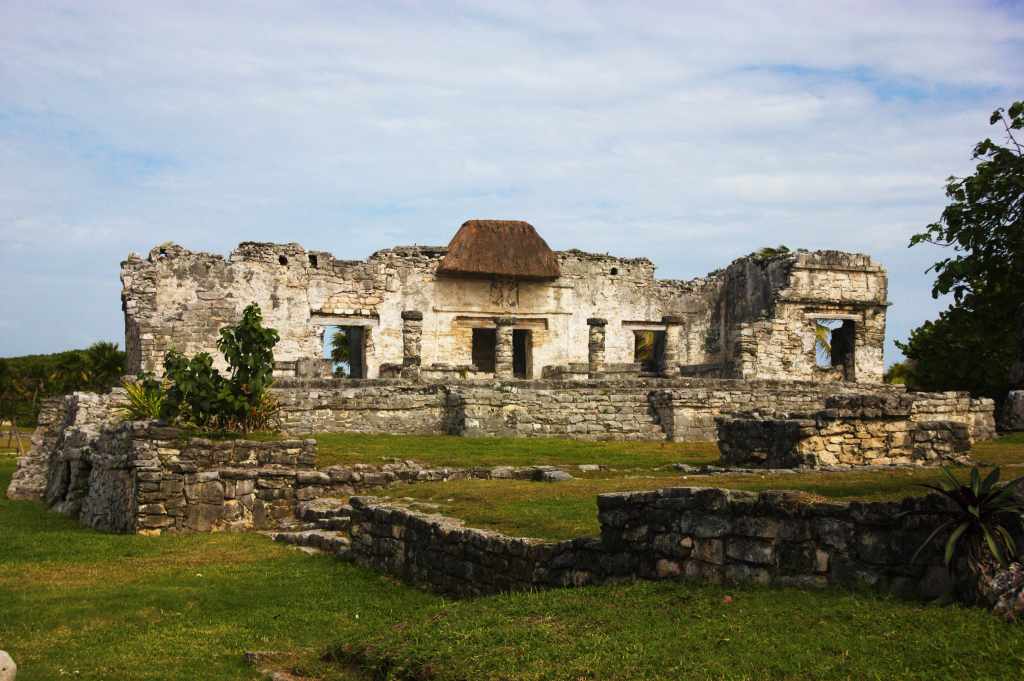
(505, 248)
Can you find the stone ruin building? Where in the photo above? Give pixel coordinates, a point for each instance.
(497, 302)
(497, 335)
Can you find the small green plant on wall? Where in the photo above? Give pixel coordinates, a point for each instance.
(146, 396)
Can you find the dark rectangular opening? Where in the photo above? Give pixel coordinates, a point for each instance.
(522, 353)
(834, 342)
(648, 348)
(485, 343)
(345, 346)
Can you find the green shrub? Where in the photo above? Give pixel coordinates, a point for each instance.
(200, 395)
(980, 524)
(248, 348)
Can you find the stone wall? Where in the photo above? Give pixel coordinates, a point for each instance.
(753, 319)
(708, 534)
(584, 411)
(774, 537)
(978, 414)
(329, 405)
(139, 477)
(680, 409)
(440, 552)
(852, 430)
(29, 479)
(688, 408)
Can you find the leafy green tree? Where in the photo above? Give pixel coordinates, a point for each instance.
(898, 373)
(971, 345)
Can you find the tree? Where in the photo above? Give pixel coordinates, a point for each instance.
(339, 351)
(105, 365)
(971, 345)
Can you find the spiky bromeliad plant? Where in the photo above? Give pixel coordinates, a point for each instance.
(984, 510)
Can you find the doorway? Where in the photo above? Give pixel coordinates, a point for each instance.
(648, 348)
(485, 343)
(522, 353)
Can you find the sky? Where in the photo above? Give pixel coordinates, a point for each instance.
(688, 133)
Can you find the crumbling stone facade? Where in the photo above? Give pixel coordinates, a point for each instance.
(754, 319)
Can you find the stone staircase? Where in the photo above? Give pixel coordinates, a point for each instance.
(321, 524)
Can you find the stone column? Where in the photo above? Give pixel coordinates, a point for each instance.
(669, 363)
(595, 349)
(412, 336)
(503, 349)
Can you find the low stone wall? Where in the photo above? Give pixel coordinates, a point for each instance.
(853, 430)
(583, 411)
(680, 409)
(139, 477)
(774, 537)
(142, 477)
(377, 406)
(708, 534)
(440, 552)
(1013, 411)
(978, 414)
(688, 411)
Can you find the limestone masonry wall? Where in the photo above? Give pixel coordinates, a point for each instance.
(139, 477)
(682, 409)
(859, 430)
(680, 533)
(329, 405)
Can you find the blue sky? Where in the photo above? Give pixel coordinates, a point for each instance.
(691, 135)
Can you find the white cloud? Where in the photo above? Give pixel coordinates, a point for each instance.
(688, 135)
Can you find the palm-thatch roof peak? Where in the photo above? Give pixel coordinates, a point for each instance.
(503, 248)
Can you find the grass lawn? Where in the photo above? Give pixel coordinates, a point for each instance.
(447, 450)
(569, 509)
(80, 604)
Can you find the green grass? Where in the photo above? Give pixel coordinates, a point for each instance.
(1006, 450)
(446, 450)
(80, 604)
(666, 631)
(569, 509)
(87, 605)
